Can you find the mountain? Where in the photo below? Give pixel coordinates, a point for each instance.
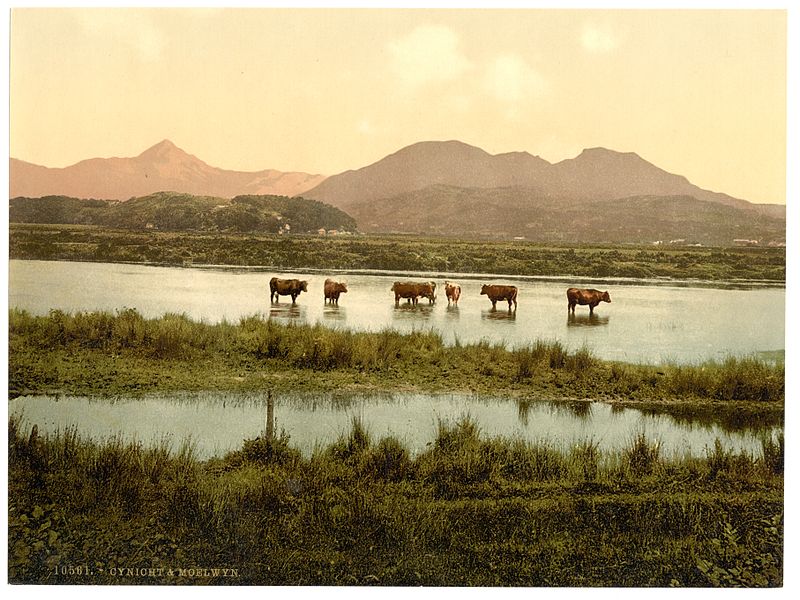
(596, 174)
(162, 167)
(171, 211)
(520, 212)
(430, 163)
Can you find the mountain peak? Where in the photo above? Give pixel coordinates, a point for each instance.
(163, 149)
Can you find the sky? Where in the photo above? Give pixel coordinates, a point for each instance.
(700, 93)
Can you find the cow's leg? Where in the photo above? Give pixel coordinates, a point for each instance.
(494, 304)
(591, 307)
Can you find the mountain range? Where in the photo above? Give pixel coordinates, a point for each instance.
(163, 167)
(451, 188)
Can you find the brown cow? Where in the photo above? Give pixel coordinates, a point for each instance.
(333, 289)
(427, 290)
(286, 287)
(452, 291)
(501, 292)
(412, 290)
(583, 297)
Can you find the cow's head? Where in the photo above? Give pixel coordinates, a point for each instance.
(605, 297)
(304, 286)
(341, 287)
(484, 289)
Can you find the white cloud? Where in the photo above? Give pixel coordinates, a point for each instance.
(598, 39)
(429, 54)
(510, 79)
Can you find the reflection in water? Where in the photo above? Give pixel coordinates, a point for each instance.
(412, 311)
(499, 315)
(586, 320)
(452, 311)
(287, 311)
(218, 423)
(334, 312)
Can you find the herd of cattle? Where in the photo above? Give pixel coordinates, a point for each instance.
(412, 291)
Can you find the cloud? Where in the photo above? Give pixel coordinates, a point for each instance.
(510, 79)
(598, 39)
(429, 54)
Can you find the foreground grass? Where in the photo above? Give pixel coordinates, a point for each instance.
(124, 353)
(398, 253)
(467, 511)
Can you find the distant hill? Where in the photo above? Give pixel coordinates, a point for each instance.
(521, 212)
(162, 167)
(600, 195)
(596, 174)
(173, 211)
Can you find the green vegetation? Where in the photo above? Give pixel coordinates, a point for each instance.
(171, 211)
(398, 253)
(104, 353)
(466, 511)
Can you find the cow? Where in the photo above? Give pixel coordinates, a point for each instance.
(405, 289)
(286, 287)
(583, 297)
(333, 289)
(501, 292)
(452, 291)
(412, 290)
(427, 290)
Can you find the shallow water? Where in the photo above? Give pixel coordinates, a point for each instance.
(217, 423)
(645, 322)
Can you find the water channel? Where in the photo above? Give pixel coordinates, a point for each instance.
(216, 423)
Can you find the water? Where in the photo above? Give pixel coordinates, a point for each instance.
(646, 322)
(218, 422)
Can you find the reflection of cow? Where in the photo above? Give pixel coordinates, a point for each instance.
(411, 290)
(584, 297)
(333, 289)
(501, 292)
(286, 287)
(452, 291)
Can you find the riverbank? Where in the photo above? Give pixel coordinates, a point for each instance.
(469, 511)
(395, 253)
(124, 353)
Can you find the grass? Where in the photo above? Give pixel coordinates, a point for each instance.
(470, 510)
(124, 352)
(395, 253)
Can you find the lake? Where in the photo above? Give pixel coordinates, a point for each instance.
(218, 422)
(647, 322)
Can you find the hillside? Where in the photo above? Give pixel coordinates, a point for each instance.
(522, 212)
(179, 212)
(595, 174)
(161, 167)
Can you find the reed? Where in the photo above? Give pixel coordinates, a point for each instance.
(64, 350)
(470, 510)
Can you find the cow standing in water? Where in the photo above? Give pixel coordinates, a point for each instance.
(501, 292)
(453, 292)
(333, 289)
(286, 287)
(412, 290)
(583, 297)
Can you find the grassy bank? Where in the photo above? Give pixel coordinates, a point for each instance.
(125, 353)
(86, 243)
(467, 511)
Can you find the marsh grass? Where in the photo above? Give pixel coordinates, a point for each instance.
(172, 342)
(362, 512)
